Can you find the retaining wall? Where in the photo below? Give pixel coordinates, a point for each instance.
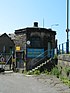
(63, 64)
(64, 60)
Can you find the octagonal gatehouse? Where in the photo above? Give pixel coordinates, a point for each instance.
(38, 44)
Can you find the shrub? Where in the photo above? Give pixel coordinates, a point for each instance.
(29, 73)
(67, 70)
(37, 72)
(56, 56)
(46, 72)
(55, 71)
(65, 80)
(25, 72)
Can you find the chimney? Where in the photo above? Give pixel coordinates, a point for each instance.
(35, 24)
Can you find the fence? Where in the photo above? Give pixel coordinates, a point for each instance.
(5, 60)
(64, 48)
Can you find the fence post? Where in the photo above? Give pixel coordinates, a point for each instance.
(62, 49)
(59, 49)
(67, 47)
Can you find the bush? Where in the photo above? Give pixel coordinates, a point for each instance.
(65, 80)
(67, 70)
(37, 72)
(55, 71)
(56, 56)
(45, 71)
(29, 73)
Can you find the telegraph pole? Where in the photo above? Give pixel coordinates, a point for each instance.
(67, 30)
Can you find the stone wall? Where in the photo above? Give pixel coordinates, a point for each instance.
(64, 64)
(64, 60)
(20, 40)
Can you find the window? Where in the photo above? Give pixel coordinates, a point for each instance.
(35, 41)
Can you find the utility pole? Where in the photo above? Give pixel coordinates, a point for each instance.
(67, 30)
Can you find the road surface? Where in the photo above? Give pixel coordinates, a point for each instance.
(19, 83)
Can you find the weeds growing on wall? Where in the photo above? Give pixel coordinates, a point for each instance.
(57, 71)
(67, 71)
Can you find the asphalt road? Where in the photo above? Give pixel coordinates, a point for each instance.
(19, 83)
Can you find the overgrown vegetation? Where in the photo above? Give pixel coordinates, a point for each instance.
(57, 71)
(36, 72)
(63, 73)
(65, 80)
(67, 71)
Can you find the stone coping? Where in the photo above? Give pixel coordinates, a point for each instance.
(64, 57)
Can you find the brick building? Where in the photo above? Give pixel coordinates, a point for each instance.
(35, 40)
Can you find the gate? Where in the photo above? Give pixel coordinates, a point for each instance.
(6, 61)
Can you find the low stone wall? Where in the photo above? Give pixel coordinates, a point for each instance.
(64, 64)
(64, 60)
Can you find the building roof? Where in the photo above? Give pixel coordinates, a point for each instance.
(5, 35)
(24, 30)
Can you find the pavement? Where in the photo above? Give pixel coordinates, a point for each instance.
(20, 83)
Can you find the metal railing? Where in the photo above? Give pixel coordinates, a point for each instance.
(64, 48)
(61, 49)
(6, 61)
(41, 58)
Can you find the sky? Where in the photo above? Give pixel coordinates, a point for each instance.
(18, 14)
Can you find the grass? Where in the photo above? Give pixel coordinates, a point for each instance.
(57, 71)
(36, 72)
(65, 80)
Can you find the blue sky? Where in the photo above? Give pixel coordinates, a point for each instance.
(16, 14)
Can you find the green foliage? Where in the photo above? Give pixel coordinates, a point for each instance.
(67, 70)
(55, 56)
(55, 71)
(65, 80)
(46, 72)
(29, 73)
(25, 72)
(37, 72)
